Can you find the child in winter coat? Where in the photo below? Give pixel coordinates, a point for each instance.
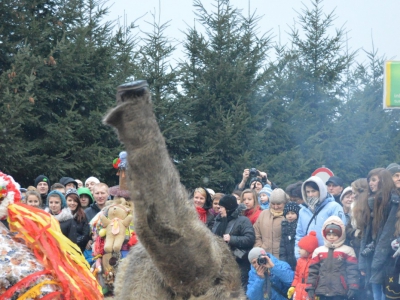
(263, 196)
(333, 272)
(307, 245)
(286, 248)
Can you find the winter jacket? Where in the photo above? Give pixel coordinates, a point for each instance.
(268, 232)
(374, 266)
(281, 276)
(333, 269)
(300, 278)
(286, 249)
(242, 237)
(82, 233)
(91, 211)
(67, 223)
(324, 209)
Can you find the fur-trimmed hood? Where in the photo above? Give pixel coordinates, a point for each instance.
(64, 215)
(337, 221)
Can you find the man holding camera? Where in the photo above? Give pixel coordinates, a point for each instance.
(258, 180)
(269, 278)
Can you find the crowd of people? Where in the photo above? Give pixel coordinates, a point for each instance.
(313, 239)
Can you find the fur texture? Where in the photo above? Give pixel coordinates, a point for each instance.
(177, 257)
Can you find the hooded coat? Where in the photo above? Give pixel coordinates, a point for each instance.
(333, 269)
(325, 208)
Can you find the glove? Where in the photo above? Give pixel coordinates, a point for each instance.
(290, 292)
(311, 293)
(395, 245)
(351, 293)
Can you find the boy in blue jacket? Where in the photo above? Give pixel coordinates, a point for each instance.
(269, 280)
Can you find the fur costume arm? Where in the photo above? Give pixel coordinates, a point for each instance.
(186, 254)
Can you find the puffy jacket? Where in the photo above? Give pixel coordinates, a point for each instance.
(333, 269)
(268, 232)
(82, 233)
(300, 278)
(374, 266)
(286, 249)
(67, 223)
(281, 277)
(324, 209)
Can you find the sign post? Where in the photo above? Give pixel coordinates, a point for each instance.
(391, 87)
(323, 173)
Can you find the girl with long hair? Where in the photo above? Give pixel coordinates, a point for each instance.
(82, 225)
(378, 229)
(253, 209)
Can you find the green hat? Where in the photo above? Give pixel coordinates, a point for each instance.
(86, 191)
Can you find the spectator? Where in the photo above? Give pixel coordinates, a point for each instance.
(58, 187)
(69, 183)
(237, 231)
(286, 249)
(318, 206)
(23, 195)
(253, 210)
(270, 280)
(57, 207)
(203, 203)
(42, 184)
(82, 225)
(33, 199)
(85, 197)
(335, 187)
(79, 182)
(378, 229)
(100, 198)
(91, 182)
(294, 192)
(333, 272)
(307, 245)
(394, 169)
(347, 198)
(252, 174)
(268, 224)
(237, 194)
(263, 196)
(215, 206)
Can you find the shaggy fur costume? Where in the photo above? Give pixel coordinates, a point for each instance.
(177, 257)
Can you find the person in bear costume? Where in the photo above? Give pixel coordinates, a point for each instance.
(177, 256)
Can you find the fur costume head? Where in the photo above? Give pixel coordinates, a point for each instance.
(9, 193)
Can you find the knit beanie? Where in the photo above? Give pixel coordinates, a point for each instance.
(291, 206)
(393, 168)
(71, 191)
(266, 190)
(345, 191)
(255, 253)
(309, 242)
(278, 196)
(229, 202)
(41, 178)
(333, 228)
(92, 178)
(61, 196)
(86, 191)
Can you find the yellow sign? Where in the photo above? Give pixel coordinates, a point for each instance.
(391, 88)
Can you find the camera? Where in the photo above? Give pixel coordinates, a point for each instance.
(368, 250)
(261, 260)
(254, 172)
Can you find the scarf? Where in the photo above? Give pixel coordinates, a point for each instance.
(213, 212)
(275, 213)
(312, 203)
(252, 214)
(202, 214)
(223, 223)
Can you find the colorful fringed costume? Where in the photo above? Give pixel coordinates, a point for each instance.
(44, 263)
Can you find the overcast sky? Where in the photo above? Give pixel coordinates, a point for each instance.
(366, 21)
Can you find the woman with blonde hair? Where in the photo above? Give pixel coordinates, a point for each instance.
(253, 209)
(203, 203)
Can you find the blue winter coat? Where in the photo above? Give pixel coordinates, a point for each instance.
(329, 207)
(281, 277)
